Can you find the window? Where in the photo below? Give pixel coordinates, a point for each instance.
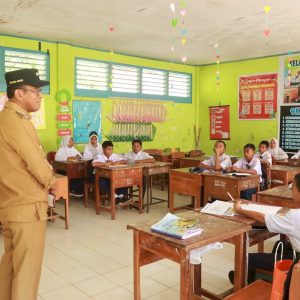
(91, 77)
(153, 82)
(179, 85)
(18, 59)
(125, 79)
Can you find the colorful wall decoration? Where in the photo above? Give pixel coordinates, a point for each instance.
(258, 96)
(64, 118)
(219, 122)
(86, 118)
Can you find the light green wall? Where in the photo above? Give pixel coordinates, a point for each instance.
(175, 132)
(242, 132)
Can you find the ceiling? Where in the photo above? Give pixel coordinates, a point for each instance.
(143, 27)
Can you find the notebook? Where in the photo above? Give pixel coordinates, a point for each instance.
(177, 227)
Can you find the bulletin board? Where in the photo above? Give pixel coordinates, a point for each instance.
(258, 96)
(219, 122)
(86, 118)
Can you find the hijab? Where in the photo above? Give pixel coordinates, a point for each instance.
(65, 141)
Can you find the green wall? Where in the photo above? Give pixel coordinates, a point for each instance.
(177, 131)
(242, 131)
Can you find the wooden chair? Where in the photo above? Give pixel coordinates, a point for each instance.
(195, 153)
(258, 290)
(175, 159)
(89, 184)
(50, 157)
(266, 172)
(153, 151)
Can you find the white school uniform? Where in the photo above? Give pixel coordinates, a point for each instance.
(90, 152)
(296, 156)
(266, 156)
(132, 156)
(277, 152)
(254, 164)
(225, 161)
(64, 151)
(103, 158)
(288, 224)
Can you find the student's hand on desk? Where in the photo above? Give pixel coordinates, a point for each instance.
(237, 206)
(78, 157)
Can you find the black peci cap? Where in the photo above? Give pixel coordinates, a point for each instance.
(24, 76)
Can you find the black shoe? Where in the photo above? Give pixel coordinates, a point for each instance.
(231, 277)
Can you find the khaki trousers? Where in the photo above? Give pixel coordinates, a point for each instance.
(21, 264)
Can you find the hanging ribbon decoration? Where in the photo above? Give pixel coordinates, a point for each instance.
(267, 30)
(174, 23)
(183, 31)
(111, 29)
(218, 73)
(290, 62)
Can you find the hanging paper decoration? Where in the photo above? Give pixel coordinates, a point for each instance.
(218, 73)
(64, 117)
(111, 29)
(267, 30)
(183, 31)
(289, 66)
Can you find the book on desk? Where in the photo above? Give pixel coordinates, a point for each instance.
(177, 227)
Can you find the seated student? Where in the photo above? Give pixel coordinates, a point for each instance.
(265, 157)
(249, 164)
(139, 156)
(276, 152)
(92, 149)
(284, 223)
(296, 156)
(67, 152)
(105, 159)
(219, 161)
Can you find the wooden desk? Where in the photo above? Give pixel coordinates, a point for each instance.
(216, 185)
(120, 176)
(188, 162)
(149, 170)
(162, 157)
(150, 247)
(279, 196)
(289, 162)
(185, 183)
(285, 174)
(61, 192)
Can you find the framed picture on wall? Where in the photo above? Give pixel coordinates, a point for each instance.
(258, 96)
(219, 122)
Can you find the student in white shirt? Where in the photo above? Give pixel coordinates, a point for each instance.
(276, 152)
(67, 152)
(265, 157)
(105, 159)
(139, 156)
(92, 149)
(219, 161)
(287, 223)
(296, 156)
(248, 164)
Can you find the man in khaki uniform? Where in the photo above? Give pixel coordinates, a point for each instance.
(25, 177)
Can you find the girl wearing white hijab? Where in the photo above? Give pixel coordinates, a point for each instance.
(92, 149)
(67, 150)
(276, 151)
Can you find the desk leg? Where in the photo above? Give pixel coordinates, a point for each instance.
(168, 176)
(112, 201)
(240, 262)
(171, 198)
(67, 213)
(185, 278)
(197, 279)
(136, 266)
(151, 183)
(140, 197)
(96, 195)
(148, 191)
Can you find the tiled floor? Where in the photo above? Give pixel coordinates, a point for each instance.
(93, 259)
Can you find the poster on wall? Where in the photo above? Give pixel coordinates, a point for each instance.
(86, 118)
(291, 94)
(289, 133)
(258, 96)
(219, 122)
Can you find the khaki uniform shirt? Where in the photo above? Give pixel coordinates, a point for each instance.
(25, 174)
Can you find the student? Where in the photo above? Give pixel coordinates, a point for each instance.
(249, 164)
(265, 157)
(287, 223)
(105, 159)
(276, 152)
(67, 151)
(296, 156)
(219, 161)
(92, 149)
(137, 155)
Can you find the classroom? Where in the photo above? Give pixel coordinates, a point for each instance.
(149, 150)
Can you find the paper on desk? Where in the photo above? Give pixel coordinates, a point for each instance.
(264, 209)
(196, 255)
(239, 174)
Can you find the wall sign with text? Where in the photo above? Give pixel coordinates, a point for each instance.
(258, 96)
(219, 122)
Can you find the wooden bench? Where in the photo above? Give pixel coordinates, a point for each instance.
(258, 290)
